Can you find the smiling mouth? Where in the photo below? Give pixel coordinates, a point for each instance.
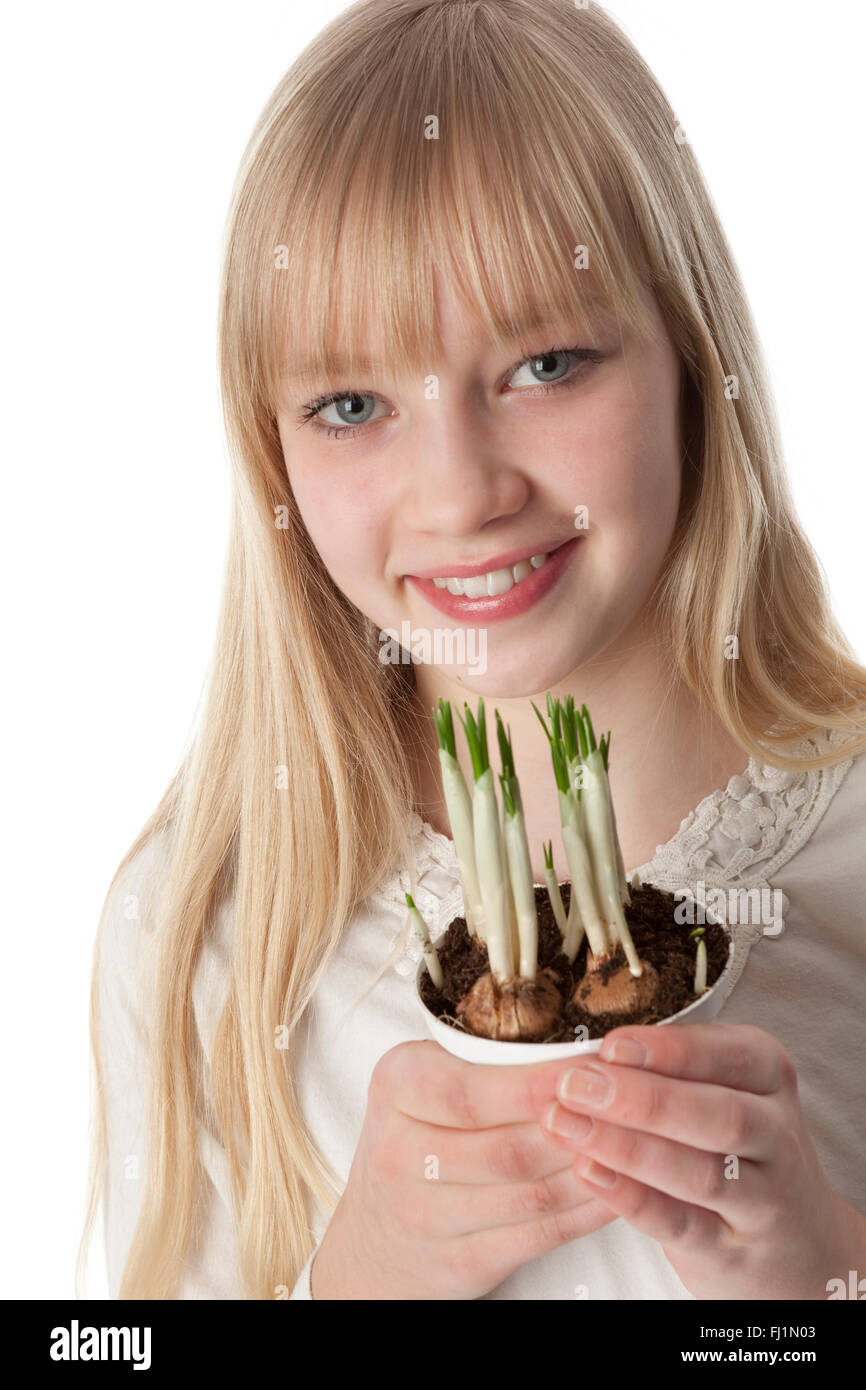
(501, 574)
(499, 593)
(493, 582)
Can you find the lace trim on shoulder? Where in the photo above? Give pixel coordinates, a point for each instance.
(438, 893)
(748, 830)
(740, 836)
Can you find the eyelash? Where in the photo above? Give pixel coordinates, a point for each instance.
(309, 412)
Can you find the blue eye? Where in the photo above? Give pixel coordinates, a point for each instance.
(559, 360)
(355, 408)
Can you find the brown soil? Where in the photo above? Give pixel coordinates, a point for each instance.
(659, 940)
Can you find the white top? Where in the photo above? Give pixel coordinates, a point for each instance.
(801, 833)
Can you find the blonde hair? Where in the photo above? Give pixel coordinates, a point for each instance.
(550, 133)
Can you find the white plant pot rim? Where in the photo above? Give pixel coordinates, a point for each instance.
(498, 1053)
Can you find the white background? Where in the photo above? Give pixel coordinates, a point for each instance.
(123, 127)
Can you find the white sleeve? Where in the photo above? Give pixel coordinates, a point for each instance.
(126, 960)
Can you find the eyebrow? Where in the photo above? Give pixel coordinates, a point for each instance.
(538, 317)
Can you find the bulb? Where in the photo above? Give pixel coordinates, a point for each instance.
(519, 1010)
(620, 993)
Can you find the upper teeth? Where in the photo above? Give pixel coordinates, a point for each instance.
(492, 584)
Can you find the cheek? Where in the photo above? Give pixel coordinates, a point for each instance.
(623, 462)
(344, 518)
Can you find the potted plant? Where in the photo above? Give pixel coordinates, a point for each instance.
(533, 972)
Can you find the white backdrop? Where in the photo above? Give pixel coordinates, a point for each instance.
(122, 129)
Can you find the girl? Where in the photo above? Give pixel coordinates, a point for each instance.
(479, 322)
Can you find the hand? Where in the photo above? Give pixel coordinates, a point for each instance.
(703, 1147)
(453, 1185)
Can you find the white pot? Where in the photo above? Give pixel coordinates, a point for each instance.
(491, 1050)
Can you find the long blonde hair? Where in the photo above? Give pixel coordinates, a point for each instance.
(491, 139)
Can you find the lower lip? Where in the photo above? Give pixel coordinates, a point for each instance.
(518, 599)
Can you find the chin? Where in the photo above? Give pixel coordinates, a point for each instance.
(519, 674)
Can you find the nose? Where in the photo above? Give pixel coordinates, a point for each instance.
(461, 478)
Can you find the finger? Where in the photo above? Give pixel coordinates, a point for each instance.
(456, 1209)
(427, 1083)
(671, 1222)
(735, 1191)
(502, 1154)
(506, 1248)
(713, 1118)
(734, 1054)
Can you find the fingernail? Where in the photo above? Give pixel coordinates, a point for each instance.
(587, 1085)
(597, 1173)
(566, 1125)
(627, 1051)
